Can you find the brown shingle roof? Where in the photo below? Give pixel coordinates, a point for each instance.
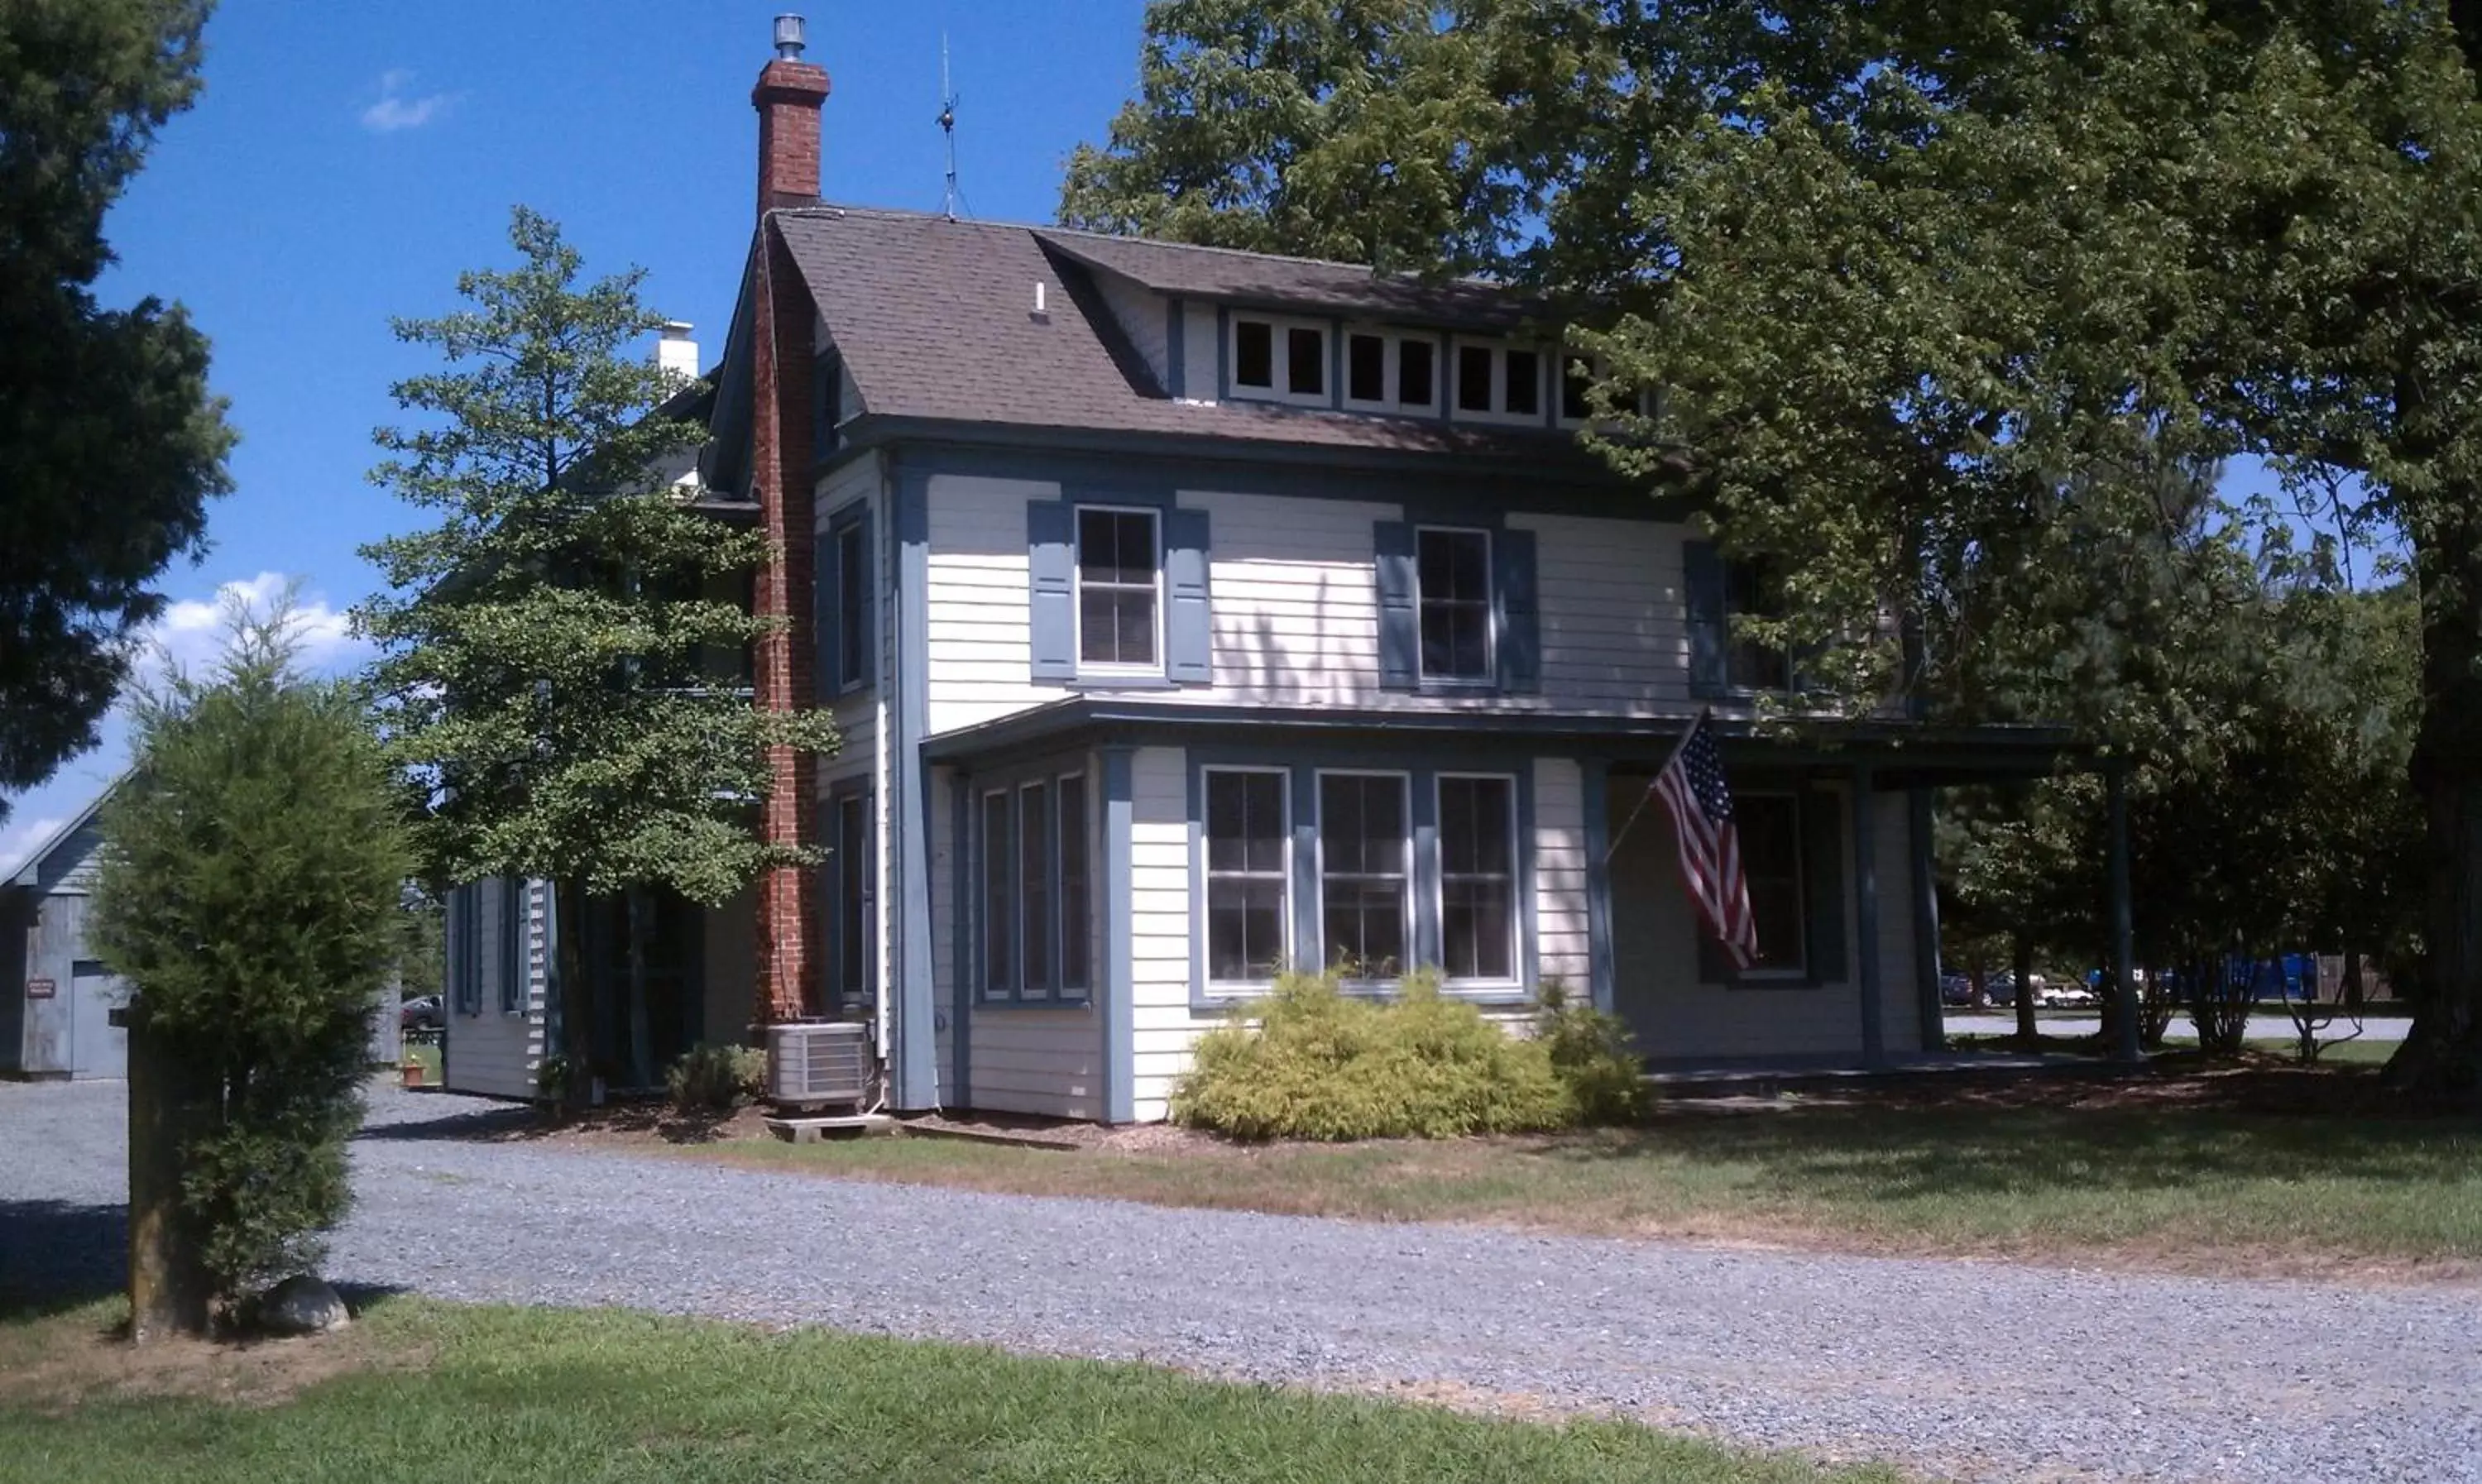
(1260, 278)
(935, 320)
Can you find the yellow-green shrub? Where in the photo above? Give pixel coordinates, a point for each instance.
(716, 1078)
(1593, 1056)
(1313, 1062)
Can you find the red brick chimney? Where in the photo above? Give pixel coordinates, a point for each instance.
(791, 957)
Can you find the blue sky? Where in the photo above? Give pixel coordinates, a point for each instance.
(346, 162)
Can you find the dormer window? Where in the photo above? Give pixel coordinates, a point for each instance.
(1498, 382)
(1279, 360)
(1389, 372)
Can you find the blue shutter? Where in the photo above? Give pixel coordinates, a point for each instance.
(1701, 580)
(867, 610)
(1189, 641)
(824, 609)
(1051, 571)
(1521, 627)
(1400, 621)
(1822, 883)
(513, 949)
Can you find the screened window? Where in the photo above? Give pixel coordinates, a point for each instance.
(1755, 590)
(1473, 378)
(1076, 894)
(1452, 573)
(1118, 588)
(852, 896)
(1305, 361)
(852, 600)
(1769, 827)
(1417, 372)
(1247, 822)
(1254, 353)
(1477, 877)
(999, 894)
(1034, 897)
(1364, 872)
(1365, 368)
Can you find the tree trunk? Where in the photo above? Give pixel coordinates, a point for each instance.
(576, 996)
(2442, 1054)
(2024, 966)
(641, 1043)
(168, 1285)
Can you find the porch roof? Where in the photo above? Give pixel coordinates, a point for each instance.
(1900, 753)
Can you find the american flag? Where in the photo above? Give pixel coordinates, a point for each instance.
(1692, 787)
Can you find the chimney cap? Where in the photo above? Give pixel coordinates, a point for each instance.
(791, 37)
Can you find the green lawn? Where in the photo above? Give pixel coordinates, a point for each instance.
(2160, 1186)
(431, 1393)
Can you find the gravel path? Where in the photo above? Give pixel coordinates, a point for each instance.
(1976, 1370)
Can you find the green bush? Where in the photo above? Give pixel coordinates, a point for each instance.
(716, 1078)
(1313, 1062)
(1593, 1056)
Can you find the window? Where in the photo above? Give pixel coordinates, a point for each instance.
(853, 897)
(1247, 824)
(1415, 372)
(1523, 393)
(853, 606)
(1755, 590)
(1364, 872)
(1365, 368)
(1118, 588)
(1386, 372)
(999, 896)
(1473, 378)
(1279, 359)
(1577, 374)
(1033, 899)
(1769, 828)
(1076, 927)
(513, 946)
(1452, 577)
(826, 402)
(1499, 382)
(1477, 877)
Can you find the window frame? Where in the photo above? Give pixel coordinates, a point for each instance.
(1279, 328)
(1488, 678)
(1087, 668)
(1779, 976)
(1515, 978)
(1735, 682)
(854, 601)
(853, 878)
(1412, 875)
(1232, 989)
(989, 984)
(1498, 412)
(1392, 365)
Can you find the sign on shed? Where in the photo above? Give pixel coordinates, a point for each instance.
(41, 989)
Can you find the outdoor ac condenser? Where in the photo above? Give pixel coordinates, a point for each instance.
(825, 1061)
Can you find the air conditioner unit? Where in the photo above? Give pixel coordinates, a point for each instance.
(818, 1061)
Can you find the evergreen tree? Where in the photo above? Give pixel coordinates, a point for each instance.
(561, 653)
(247, 892)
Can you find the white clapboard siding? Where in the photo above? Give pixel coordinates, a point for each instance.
(1561, 947)
(1046, 1061)
(1142, 316)
(944, 907)
(494, 1054)
(1162, 1025)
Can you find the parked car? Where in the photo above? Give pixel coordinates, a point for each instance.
(2064, 996)
(1956, 988)
(424, 1012)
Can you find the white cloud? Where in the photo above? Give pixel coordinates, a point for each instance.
(193, 632)
(20, 837)
(396, 108)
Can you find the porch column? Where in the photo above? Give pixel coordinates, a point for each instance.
(2123, 952)
(963, 973)
(1115, 991)
(1865, 929)
(1926, 923)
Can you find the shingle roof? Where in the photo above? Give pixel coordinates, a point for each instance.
(935, 320)
(1258, 277)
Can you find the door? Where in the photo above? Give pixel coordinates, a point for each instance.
(97, 1047)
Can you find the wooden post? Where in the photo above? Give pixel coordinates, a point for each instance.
(1865, 936)
(168, 1289)
(2123, 952)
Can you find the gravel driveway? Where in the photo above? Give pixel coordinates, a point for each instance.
(1977, 1370)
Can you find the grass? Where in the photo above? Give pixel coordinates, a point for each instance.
(418, 1390)
(2162, 1187)
(428, 1057)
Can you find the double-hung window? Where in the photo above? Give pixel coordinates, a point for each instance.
(1120, 589)
(1036, 891)
(1365, 872)
(999, 893)
(1768, 826)
(1248, 828)
(1034, 844)
(1477, 826)
(1077, 891)
(1452, 571)
(852, 556)
(1498, 383)
(1755, 590)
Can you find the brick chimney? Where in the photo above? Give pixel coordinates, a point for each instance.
(792, 958)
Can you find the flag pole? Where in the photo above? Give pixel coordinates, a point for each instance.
(1705, 714)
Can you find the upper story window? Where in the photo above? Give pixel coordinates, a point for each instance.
(1498, 382)
(1279, 359)
(1385, 372)
(1120, 589)
(1577, 374)
(1755, 590)
(826, 402)
(853, 606)
(1452, 577)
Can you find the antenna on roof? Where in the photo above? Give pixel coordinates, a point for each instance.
(948, 129)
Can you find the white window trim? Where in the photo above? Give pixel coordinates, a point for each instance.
(1077, 593)
(1489, 675)
(1498, 413)
(1798, 974)
(1516, 885)
(1392, 343)
(1412, 867)
(1279, 359)
(1206, 886)
(1026, 992)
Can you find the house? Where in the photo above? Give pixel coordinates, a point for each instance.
(1190, 614)
(56, 996)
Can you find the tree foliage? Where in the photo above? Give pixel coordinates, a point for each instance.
(249, 892)
(111, 441)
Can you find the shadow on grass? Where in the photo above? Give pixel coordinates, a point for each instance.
(519, 1123)
(56, 1255)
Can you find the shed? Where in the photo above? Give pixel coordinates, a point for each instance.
(56, 996)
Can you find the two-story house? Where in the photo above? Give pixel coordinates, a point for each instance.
(1190, 615)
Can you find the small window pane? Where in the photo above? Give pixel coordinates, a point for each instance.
(1034, 857)
(1769, 827)
(1365, 366)
(1477, 879)
(1076, 926)
(1473, 378)
(1305, 361)
(999, 896)
(1245, 876)
(1413, 366)
(1524, 383)
(1577, 374)
(1362, 872)
(1254, 353)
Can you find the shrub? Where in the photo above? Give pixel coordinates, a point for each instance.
(1312, 1062)
(1593, 1056)
(716, 1078)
